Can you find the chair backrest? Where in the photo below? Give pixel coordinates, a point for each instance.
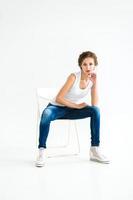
(44, 96)
(47, 93)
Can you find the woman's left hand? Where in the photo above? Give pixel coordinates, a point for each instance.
(93, 77)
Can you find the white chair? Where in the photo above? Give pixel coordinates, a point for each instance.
(45, 95)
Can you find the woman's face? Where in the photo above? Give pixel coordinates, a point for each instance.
(88, 66)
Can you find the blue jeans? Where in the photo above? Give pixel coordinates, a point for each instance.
(55, 112)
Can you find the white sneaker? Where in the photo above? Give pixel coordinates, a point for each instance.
(41, 158)
(95, 155)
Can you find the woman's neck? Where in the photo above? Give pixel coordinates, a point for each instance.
(84, 77)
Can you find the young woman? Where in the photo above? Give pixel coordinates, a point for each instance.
(68, 105)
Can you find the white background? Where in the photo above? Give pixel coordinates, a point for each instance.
(40, 42)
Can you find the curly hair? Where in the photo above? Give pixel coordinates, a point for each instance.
(87, 54)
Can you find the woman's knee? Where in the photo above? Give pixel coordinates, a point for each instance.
(96, 110)
(46, 115)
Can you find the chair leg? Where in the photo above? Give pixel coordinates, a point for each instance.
(37, 123)
(68, 138)
(68, 142)
(77, 135)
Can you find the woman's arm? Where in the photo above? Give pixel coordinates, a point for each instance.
(66, 87)
(94, 91)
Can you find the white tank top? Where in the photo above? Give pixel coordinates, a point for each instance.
(75, 94)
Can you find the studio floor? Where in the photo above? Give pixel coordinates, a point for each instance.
(73, 177)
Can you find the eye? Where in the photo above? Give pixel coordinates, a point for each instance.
(84, 64)
(90, 63)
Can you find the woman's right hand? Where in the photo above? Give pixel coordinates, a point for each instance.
(81, 105)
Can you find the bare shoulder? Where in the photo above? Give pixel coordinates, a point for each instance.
(72, 77)
(67, 85)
